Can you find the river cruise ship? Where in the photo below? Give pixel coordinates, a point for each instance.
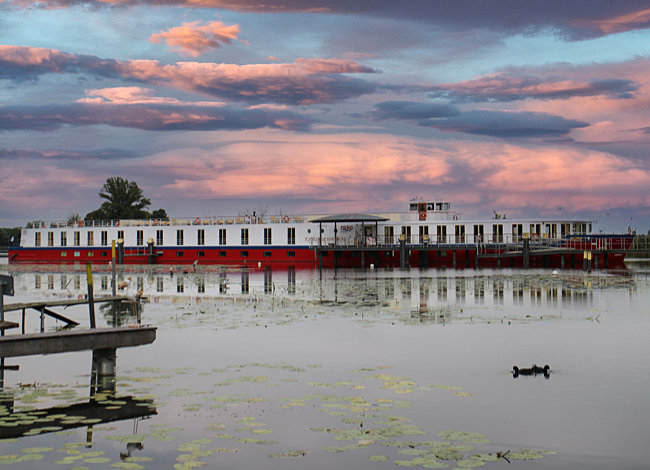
(428, 234)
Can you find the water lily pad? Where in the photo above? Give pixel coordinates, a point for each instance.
(474, 437)
(37, 450)
(290, 454)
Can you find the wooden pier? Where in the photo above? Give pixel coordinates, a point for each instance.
(523, 254)
(76, 340)
(68, 339)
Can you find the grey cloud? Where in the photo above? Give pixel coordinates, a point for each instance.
(503, 124)
(575, 19)
(505, 88)
(508, 124)
(153, 118)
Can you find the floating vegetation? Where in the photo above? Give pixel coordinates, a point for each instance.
(289, 454)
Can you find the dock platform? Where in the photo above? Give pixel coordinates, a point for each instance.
(76, 340)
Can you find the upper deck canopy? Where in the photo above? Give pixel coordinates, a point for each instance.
(350, 218)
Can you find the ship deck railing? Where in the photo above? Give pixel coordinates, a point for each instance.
(241, 220)
(505, 244)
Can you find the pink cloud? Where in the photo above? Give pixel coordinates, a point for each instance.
(346, 172)
(361, 171)
(193, 39)
(305, 81)
(136, 95)
(618, 24)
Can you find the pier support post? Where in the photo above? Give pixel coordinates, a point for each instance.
(120, 251)
(402, 253)
(103, 371)
(526, 253)
(91, 300)
(150, 251)
(113, 278)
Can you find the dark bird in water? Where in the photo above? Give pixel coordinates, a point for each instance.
(534, 370)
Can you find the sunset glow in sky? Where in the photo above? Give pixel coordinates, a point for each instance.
(320, 106)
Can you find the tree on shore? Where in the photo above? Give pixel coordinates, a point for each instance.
(124, 200)
(6, 236)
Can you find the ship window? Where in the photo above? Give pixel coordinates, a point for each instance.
(180, 285)
(244, 254)
(268, 240)
(91, 238)
(222, 254)
(222, 236)
(140, 238)
(77, 238)
(76, 254)
(64, 239)
(389, 234)
(267, 254)
(200, 237)
(180, 254)
(64, 254)
(478, 233)
(180, 237)
(104, 238)
(120, 235)
(159, 237)
(200, 253)
(244, 236)
(291, 236)
(423, 233)
(497, 233)
(459, 232)
(91, 253)
(291, 254)
(441, 232)
(103, 253)
(50, 238)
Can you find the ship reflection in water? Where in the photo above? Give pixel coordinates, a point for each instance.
(428, 295)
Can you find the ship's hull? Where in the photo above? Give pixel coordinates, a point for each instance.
(602, 251)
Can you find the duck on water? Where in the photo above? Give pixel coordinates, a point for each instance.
(534, 370)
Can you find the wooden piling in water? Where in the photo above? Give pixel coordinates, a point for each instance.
(91, 301)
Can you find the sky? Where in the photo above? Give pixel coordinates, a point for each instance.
(215, 107)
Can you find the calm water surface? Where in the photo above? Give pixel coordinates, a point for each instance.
(347, 369)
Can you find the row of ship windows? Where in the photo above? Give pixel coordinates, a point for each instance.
(535, 229)
(180, 237)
